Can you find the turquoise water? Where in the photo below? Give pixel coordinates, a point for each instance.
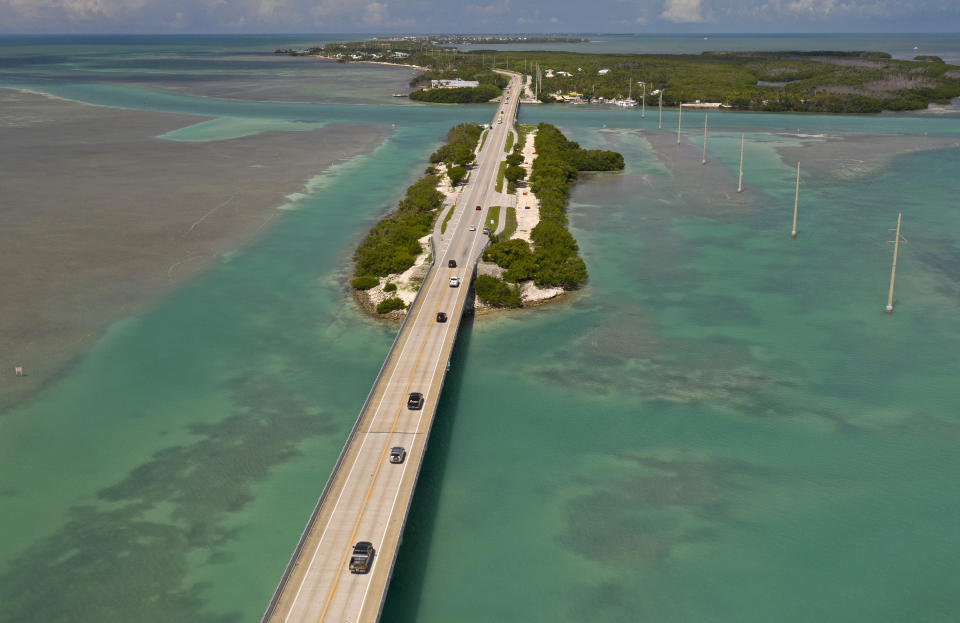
(723, 426)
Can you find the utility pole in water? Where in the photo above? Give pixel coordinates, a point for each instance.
(660, 122)
(704, 138)
(796, 202)
(679, 121)
(893, 269)
(740, 182)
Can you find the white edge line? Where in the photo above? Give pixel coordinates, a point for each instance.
(352, 468)
(416, 433)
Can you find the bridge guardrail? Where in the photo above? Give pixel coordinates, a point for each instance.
(353, 431)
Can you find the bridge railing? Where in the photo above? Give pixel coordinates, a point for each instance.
(343, 452)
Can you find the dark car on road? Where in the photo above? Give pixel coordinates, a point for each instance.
(362, 557)
(415, 401)
(452, 264)
(479, 208)
(441, 317)
(397, 454)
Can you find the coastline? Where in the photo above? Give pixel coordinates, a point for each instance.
(528, 216)
(341, 60)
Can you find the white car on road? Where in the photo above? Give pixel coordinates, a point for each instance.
(454, 282)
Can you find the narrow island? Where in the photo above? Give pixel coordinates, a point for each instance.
(392, 261)
(531, 256)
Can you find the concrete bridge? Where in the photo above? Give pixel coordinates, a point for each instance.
(367, 498)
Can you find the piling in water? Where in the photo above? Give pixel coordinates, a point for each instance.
(740, 181)
(893, 269)
(796, 202)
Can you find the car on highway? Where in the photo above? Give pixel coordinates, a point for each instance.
(479, 208)
(362, 557)
(441, 317)
(415, 401)
(472, 228)
(397, 454)
(452, 264)
(454, 282)
(486, 230)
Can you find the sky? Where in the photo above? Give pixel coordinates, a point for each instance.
(477, 16)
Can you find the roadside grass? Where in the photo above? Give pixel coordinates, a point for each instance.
(509, 224)
(446, 219)
(509, 144)
(483, 139)
(499, 186)
(493, 218)
(522, 130)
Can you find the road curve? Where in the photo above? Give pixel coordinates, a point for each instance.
(367, 498)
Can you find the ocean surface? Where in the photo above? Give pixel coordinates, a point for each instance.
(722, 426)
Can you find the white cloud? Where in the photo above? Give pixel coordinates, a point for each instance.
(72, 9)
(375, 14)
(682, 11)
(810, 7)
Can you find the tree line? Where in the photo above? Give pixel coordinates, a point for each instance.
(554, 260)
(393, 244)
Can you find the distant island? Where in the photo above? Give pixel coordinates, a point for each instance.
(825, 81)
(504, 39)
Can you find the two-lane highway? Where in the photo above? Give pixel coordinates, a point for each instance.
(367, 498)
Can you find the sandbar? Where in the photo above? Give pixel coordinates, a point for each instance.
(99, 218)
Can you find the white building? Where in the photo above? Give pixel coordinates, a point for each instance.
(453, 84)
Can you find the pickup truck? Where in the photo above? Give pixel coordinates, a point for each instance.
(362, 557)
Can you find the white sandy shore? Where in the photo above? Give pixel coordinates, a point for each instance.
(527, 219)
(409, 281)
(350, 60)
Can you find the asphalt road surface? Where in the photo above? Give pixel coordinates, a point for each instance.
(369, 497)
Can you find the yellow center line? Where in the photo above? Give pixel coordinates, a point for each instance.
(380, 462)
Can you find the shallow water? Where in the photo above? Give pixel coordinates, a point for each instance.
(724, 425)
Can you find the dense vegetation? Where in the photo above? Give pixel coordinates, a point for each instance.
(554, 260)
(391, 304)
(461, 95)
(496, 292)
(392, 246)
(459, 148)
(783, 81)
(827, 81)
(364, 282)
(456, 174)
